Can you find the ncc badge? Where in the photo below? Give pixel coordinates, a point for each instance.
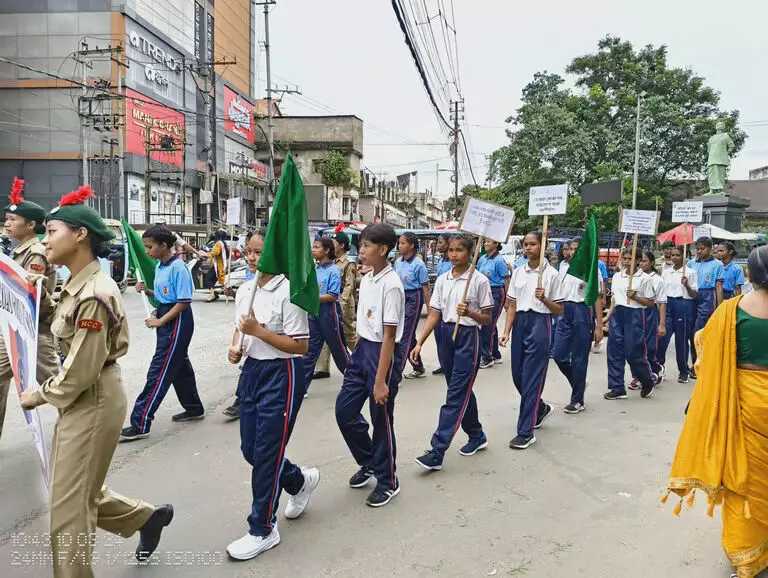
(369, 313)
(165, 290)
(37, 268)
(90, 325)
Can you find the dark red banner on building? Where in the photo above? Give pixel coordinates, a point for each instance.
(164, 125)
(238, 115)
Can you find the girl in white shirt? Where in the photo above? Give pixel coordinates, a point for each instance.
(654, 328)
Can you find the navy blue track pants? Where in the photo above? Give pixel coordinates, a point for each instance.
(489, 334)
(679, 316)
(326, 328)
(531, 346)
(573, 340)
(414, 303)
(626, 343)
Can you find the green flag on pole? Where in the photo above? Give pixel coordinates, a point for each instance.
(138, 259)
(584, 263)
(286, 248)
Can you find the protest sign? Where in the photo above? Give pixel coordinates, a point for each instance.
(233, 211)
(687, 212)
(487, 220)
(639, 222)
(550, 200)
(699, 232)
(19, 310)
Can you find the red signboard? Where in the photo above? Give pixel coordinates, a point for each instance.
(238, 115)
(146, 116)
(261, 170)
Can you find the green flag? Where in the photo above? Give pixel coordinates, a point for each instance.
(138, 259)
(584, 263)
(286, 249)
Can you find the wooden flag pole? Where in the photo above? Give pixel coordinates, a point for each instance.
(685, 244)
(632, 263)
(544, 228)
(145, 300)
(469, 280)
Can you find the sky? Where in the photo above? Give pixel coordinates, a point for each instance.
(349, 57)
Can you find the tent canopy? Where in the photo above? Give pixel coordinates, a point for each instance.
(683, 234)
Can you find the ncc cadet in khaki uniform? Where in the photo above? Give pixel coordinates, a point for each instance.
(349, 284)
(23, 221)
(91, 335)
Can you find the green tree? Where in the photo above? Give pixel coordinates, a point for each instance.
(587, 133)
(335, 170)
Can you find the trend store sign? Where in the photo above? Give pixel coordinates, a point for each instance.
(238, 115)
(156, 53)
(153, 65)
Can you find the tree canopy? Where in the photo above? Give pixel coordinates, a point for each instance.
(581, 129)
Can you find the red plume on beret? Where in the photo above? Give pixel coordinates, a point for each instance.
(16, 189)
(77, 197)
(339, 228)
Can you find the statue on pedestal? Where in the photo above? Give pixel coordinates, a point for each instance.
(720, 148)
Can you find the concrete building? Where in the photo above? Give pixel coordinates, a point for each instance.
(759, 174)
(150, 85)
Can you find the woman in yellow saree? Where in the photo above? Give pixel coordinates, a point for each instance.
(723, 446)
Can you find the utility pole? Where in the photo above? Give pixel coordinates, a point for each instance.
(169, 145)
(455, 151)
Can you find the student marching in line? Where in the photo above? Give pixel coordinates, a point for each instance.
(666, 259)
(681, 287)
(710, 276)
(443, 266)
(460, 359)
(655, 319)
(733, 274)
(374, 372)
(326, 327)
(175, 325)
(24, 220)
(529, 322)
(270, 391)
(626, 337)
(415, 279)
(493, 266)
(91, 334)
(574, 330)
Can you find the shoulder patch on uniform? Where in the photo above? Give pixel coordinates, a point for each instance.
(90, 325)
(37, 268)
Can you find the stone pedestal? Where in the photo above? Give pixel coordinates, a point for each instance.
(724, 211)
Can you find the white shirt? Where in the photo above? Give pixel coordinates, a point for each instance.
(673, 281)
(522, 288)
(179, 242)
(571, 288)
(449, 291)
(272, 307)
(659, 287)
(381, 302)
(641, 283)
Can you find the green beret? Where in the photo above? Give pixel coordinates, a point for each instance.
(82, 216)
(342, 238)
(667, 244)
(27, 209)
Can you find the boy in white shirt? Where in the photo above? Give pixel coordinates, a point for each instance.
(682, 287)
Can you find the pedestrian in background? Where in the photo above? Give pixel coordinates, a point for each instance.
(91, 335)
(493, 266)
(733, 275)
(710, 276)
(529, 322)
(375, 370)
(460, 358)
(217, 273)
(415, 279)
(681, 286)
(271, 389)
(175, 325)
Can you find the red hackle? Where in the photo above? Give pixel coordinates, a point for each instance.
(76, 197)
(16, 189)
(339, 228)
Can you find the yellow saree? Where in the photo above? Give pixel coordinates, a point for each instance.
(723, 446)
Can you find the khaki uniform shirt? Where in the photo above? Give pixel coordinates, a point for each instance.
(348, 284)
(30, 256)
(90, 331)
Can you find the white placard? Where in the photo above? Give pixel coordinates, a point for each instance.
(233, 211)
(487, 220)
(687, 212)
(206, 197)
(640, 222)
(550, 200)
(699, 232)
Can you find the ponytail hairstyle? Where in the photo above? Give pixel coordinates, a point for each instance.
(160, 234)
(412, 239)
(327, 243)
(652, 258)
(757, 264)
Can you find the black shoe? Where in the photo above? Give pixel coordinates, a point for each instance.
(149, 533)
(611, 395)
(186, 416)
(431, 460)
(361, 478)
(233, 411)
(130, 434)
(321, 375)
(543, 416)
(682, 379)
(473, 446)
(379, 497)
(522, 442)
(486, 363)
(646, 391)
(574, 408)
(438, 371)
(692, 374)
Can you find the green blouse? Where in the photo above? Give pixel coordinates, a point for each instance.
(751, 339)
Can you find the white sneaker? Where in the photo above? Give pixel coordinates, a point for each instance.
(662, 373)
(250, 546)
(298, 503)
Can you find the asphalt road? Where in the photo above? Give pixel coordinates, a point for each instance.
(583, 501)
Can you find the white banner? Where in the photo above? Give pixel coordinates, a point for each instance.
(699, 232)
(487, 220)
(687, 212)
(19, 309)
(233, 211)
(551, 200)
(639, 222)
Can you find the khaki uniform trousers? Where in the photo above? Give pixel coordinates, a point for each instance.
(348, 323)
(83, 445)
(47, 367)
